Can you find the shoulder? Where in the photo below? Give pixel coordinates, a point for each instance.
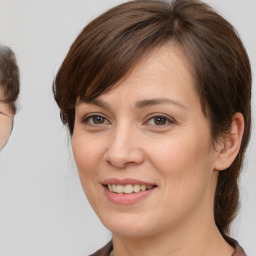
(238, 249)
(105, 251)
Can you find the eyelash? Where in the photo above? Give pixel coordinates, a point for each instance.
(86, 120)
(153, 117)
(167, 120)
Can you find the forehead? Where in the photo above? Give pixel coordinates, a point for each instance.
(92, 84)
(163, 73)
(164, 66)
(168, 58)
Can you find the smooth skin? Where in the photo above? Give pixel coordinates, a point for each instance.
(151, 127)
(6, 121)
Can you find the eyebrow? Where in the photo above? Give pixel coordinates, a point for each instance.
(96, 102)
(138, 104)
(158, 101)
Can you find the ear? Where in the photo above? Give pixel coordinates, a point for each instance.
(228, 148)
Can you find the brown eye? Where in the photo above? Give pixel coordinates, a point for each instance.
(95, 120)
(98, 120)
(160, 120)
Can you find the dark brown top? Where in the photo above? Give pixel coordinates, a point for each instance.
(106, 250)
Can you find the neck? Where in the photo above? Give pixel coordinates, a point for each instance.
(193, 234)
(204, 240)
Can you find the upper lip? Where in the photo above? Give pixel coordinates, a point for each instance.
(126, 181)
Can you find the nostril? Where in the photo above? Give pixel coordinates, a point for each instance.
(123, 157)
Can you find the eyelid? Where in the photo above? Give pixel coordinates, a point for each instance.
(86, 117)
(169, 119)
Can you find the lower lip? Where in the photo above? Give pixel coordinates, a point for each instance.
(127, 198)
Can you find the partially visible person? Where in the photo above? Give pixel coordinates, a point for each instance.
(9, 91)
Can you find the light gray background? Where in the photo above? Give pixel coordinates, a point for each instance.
(43, 210)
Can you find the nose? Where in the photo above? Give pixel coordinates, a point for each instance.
(124, 148)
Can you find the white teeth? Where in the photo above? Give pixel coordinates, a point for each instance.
(143, 187)
(128, 189)
(136, 188)
(119, 189)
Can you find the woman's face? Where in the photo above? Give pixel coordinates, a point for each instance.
(144, 150)
(6, 119)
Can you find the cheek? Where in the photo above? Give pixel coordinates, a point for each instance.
(85, 153)
(185, 168)
(5, 129)
(185, 163)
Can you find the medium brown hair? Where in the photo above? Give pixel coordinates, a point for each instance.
(109, 46)
(9, 77)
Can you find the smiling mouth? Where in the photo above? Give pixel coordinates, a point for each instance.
(128, 189)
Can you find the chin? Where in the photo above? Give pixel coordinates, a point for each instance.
(129, 231)
(129, 225)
